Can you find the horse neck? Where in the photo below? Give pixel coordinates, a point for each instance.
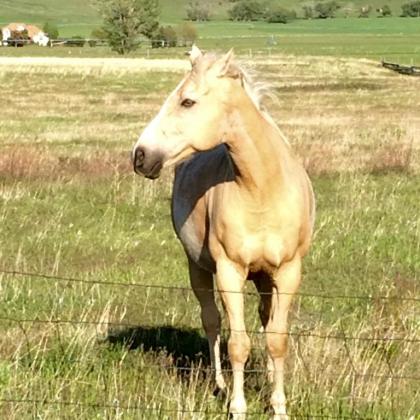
(256, 148)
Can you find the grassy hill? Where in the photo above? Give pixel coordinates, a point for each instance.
(393, 38)
(74, 16)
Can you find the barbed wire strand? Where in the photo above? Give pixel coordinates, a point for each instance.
(189, 289)
(210, 370)
(118, 406)
(303, 333)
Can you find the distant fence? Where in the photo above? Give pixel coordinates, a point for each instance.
(94, 42)
(163, 411)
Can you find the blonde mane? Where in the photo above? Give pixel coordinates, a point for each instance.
(258, 91)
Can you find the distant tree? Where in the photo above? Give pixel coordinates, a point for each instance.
(364, 11)
(384, 11)
(126, 20)
(247, 10)
(411, 9)
(277, 14)
(51, 30)
(97, 35)
(19, 38)
(326, 10)
(308, 12)
(187, 33)
(169, 36)
(198, 10)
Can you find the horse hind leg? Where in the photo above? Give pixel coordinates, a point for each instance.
(285, 283)
(202, 285)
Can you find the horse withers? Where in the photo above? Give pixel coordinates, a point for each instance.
(242, 206)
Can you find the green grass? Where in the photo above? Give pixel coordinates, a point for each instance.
(71, 207)
(392, 39)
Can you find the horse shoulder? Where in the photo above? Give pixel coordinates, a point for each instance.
(194, 184)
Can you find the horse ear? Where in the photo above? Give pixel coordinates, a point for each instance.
(226, 67)
(194, 54)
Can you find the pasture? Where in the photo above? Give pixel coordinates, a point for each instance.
(392, 39)
(87, 342)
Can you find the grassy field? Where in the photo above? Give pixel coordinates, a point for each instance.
(393, 39)
(79, 12)
(70, 207)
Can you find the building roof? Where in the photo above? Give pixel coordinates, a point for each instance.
(32, 29)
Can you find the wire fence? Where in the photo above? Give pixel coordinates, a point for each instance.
(165, 411)
(10, 275)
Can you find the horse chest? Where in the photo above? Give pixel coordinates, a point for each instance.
(257, 251)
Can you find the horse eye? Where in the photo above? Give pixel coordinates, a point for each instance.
(187, 103)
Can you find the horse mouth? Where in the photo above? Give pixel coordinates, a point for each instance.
(154, 171)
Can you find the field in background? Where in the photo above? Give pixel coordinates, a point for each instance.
(70, 207)
(392, 39)
(79, 13)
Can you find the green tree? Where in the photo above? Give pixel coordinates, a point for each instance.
(247, 10)
(277, 14)
(126, 20)
(198, 10)
(326, 10)
(187, 33)
(169, 36)
(308, 12)
(385, 10)
(51, 30)
(411, 9)
(98, 35)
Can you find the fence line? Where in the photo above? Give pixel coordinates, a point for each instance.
(302, 333)
(140, 408)
(189, 289)
(183, 367)
(209, 369)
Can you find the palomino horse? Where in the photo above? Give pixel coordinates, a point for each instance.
(242, 206)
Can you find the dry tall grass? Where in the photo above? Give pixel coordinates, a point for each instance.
(70, 206)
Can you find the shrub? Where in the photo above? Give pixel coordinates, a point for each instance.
(247, 10)
(308, 12)
(365, 11)
(326, 10)
(51, 30)
(98, 35)
(170, 36)
(76, 41)
(278, 14)
(384, 11)
(187, 33)
(166, 36)
(198, 10)
(411, 9)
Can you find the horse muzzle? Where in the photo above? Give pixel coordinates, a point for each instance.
(148, 164)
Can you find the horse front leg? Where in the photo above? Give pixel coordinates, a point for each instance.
(230, 282)
(264, 285)
(285, 284)
(202, 285)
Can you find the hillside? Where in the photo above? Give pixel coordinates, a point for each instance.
(76, 15)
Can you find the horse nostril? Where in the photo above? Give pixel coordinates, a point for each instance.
(139, 157)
